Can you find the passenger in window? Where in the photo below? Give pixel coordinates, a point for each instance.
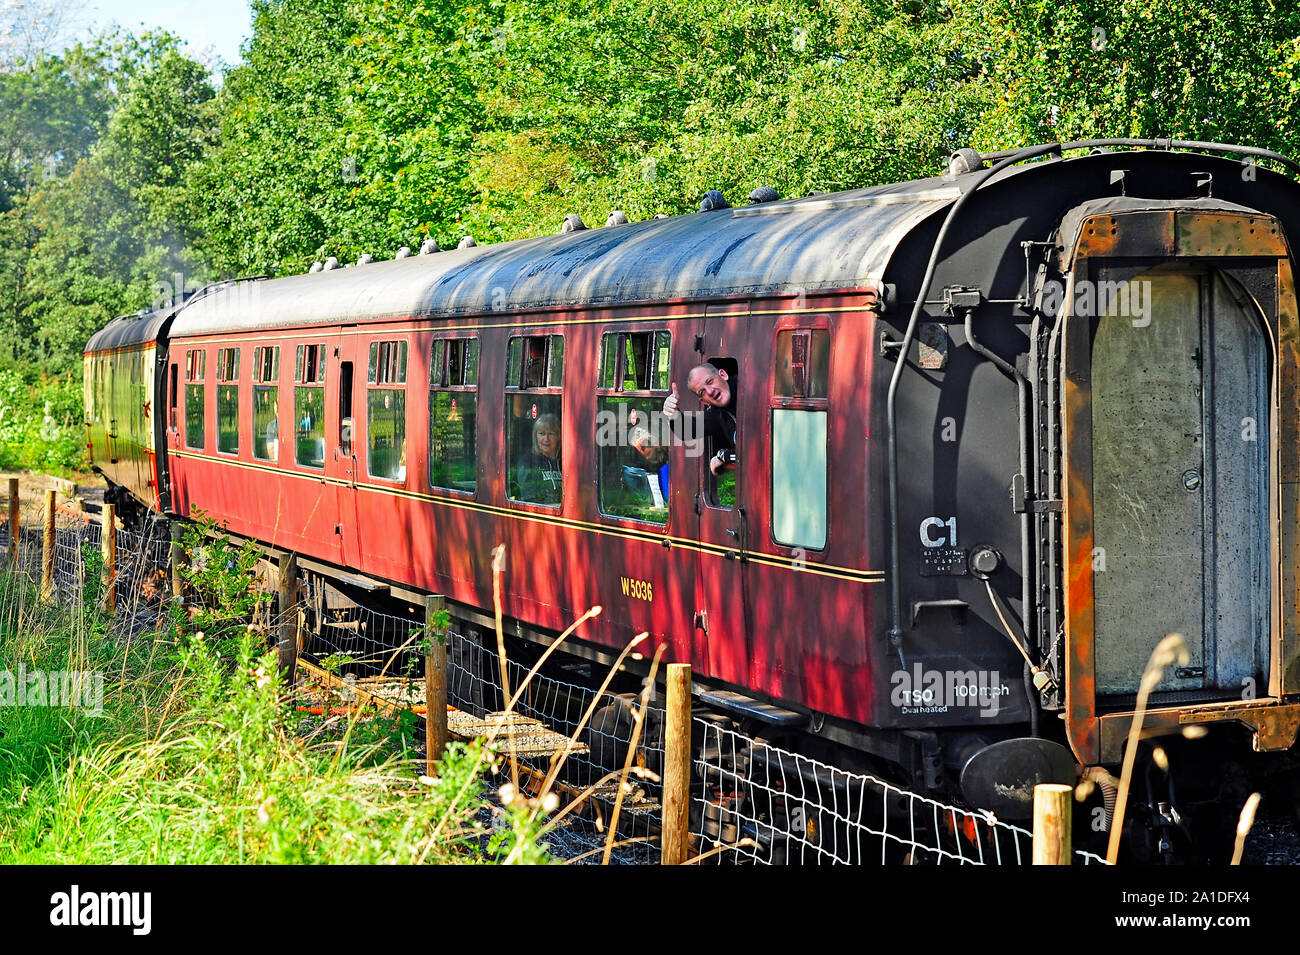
(716, 389)
(655, 455)
(272, 437)
(538, 473)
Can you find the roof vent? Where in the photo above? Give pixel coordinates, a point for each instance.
(815, 192)
(428, 246)
(713, 200)
(330, 264)
(365, 259)
(662, 215)
(315, 267)
(763, 194)
(572, 223)
(963, 161)
(616, 218)
(467, 242)
(403, 253)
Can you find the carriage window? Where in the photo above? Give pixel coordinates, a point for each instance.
(799, 438)
(802, 363)
(534, 419)
(309, 366)
(387, 363)
(453, 407)
(386, 411)
(266, 397)
(799, 478)
(632, 437)
(194, 423)
(309, 406)
(228, 400)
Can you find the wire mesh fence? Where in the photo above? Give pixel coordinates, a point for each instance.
(752, 802)
(558, 728)
(138, 577)
(592, 731)
(760, 804)
(77, 555)
(29, 540)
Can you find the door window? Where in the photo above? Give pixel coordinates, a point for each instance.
(799, 422)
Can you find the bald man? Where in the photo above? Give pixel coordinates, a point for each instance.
(717, 393)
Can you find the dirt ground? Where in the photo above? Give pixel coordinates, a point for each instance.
(32, 486)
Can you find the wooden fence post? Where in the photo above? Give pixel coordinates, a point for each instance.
(14, 530)
(47, 548)
(435, 682)
(175, 555)
(108, 542)
(677, 766)
(288, 615)
(1052, 824)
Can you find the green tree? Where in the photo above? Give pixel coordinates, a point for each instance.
(346, 131)
(117, 226)
(644, 106)
(1137, 68)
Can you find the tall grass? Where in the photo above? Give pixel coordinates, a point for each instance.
(195, 759)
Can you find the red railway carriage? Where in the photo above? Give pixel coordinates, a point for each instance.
(512, 347)
(996, 432)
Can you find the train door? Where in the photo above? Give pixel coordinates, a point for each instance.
(344, 439)
(111, 425)
(722, 604)
(172, 426)
(1180, 377)
(161, 423)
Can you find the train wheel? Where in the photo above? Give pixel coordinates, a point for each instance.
(609, 732)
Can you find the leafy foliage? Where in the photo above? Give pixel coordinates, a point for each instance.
(221, 577)
(40, 421)
(194, 757)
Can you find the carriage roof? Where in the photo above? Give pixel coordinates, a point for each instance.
(840, 240)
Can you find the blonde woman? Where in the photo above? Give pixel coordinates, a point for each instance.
(538, 472)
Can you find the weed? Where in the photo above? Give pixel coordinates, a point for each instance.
(193, 760)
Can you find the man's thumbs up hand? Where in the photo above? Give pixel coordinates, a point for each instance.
(670, 403)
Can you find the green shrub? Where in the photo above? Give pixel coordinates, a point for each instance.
(41, 422)
(196, 759)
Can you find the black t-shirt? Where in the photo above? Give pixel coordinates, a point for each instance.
(720, 423)
(539, 478)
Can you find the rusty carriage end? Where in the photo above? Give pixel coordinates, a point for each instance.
(1181, 436)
